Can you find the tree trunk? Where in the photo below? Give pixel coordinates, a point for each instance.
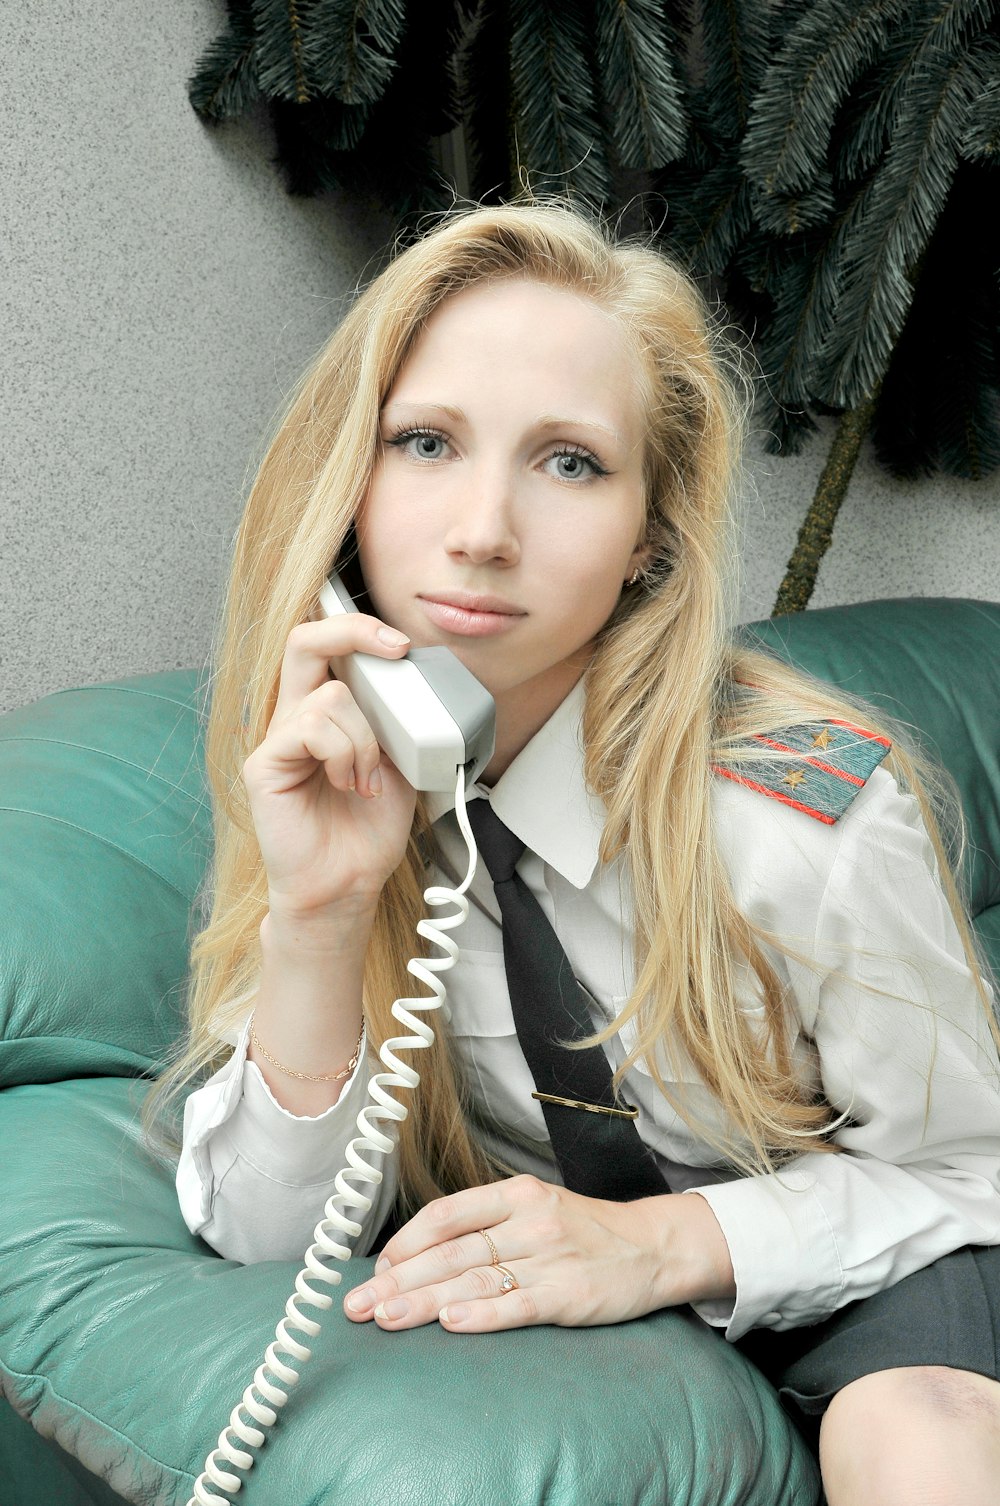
(817, 528)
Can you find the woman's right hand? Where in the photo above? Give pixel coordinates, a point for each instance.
(331, 811)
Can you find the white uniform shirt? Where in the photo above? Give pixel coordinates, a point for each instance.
(920, 1172)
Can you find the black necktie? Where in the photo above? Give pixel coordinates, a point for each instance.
(600, 1154)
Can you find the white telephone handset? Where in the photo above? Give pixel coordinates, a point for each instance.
(429, 713)
(437, 724)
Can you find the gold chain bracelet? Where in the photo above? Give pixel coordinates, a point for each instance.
(311, 1076)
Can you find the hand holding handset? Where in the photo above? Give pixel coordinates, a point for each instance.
(437, 724)
(428, 712)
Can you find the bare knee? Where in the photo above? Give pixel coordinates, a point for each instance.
(931, 1392)
(925, 1435)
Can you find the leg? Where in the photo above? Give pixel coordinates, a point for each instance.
(926, 1435)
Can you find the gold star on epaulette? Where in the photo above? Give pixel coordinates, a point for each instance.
(822, 739)
(794, 778)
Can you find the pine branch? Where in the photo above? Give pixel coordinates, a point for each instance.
(869, 118)
(947, 29)
(980, 141)
(224, 83)
(805, 282)
(357, 43)
(782, 428)
(737, 45)
(892, 226)
(558, 134)
(791, 118)
(788, 214)
(785, 348)
(286, 49)
(643, 99)
(710, 214)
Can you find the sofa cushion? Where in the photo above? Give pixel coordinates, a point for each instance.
(37, 1472)
(104, 837)
(128, 1342)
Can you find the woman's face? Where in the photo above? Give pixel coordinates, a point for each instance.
(505, 510)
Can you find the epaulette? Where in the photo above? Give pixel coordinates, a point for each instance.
(835, 763)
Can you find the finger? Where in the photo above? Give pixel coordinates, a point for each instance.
(336, 702)
(311, 645)
(328, 728)
(308, 740)
(464, 1212)
(415, 1308)
(520, 1308)
(433, 1267)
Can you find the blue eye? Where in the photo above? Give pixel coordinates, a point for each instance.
(401, 438)
(577, 452)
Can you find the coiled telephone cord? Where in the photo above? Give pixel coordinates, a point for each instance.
(270, 1398)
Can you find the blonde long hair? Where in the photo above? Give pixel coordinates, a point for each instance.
(662, 704)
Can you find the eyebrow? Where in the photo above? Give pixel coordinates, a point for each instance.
(439, 407)
(543, 421)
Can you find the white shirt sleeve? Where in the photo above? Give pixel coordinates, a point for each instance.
(253, 1179)
(919, 1175)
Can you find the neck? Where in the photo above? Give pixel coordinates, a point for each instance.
(523, 711)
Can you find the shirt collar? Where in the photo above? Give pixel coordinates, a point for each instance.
(543, 797)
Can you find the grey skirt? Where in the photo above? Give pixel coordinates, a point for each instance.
(946, 1314)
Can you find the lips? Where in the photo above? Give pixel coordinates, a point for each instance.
(467, 601)
(469, 614)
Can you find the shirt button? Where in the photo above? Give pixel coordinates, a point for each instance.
(772, 1317)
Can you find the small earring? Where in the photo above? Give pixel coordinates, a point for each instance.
(633, 578)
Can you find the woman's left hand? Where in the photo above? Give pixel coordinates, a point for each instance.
(577, 1260)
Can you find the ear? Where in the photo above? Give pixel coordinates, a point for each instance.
(638, 560)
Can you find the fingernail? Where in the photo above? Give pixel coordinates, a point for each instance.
(360, 1302)
(382, 1264)
(397, 1307)
(456, 1313)
(375, 785)
(390, 637)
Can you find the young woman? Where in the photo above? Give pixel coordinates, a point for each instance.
(522, 443)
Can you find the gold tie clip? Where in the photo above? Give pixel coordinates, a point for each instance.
(628, 1112)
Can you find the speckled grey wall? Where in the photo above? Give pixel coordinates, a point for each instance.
(159, 292)
(936, 537)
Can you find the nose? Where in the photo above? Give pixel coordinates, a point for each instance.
(482, 529)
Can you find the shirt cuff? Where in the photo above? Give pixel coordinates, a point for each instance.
(297, 1149)
(205, 1109)
(280, 1145)
(776, 1229)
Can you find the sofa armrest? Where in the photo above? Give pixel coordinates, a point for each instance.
(128, 1342)
(105, 834)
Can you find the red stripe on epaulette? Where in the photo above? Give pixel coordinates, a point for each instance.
(764, 789)
(817, 763)
(872, 737)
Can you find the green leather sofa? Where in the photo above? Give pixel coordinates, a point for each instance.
(125, 1342)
